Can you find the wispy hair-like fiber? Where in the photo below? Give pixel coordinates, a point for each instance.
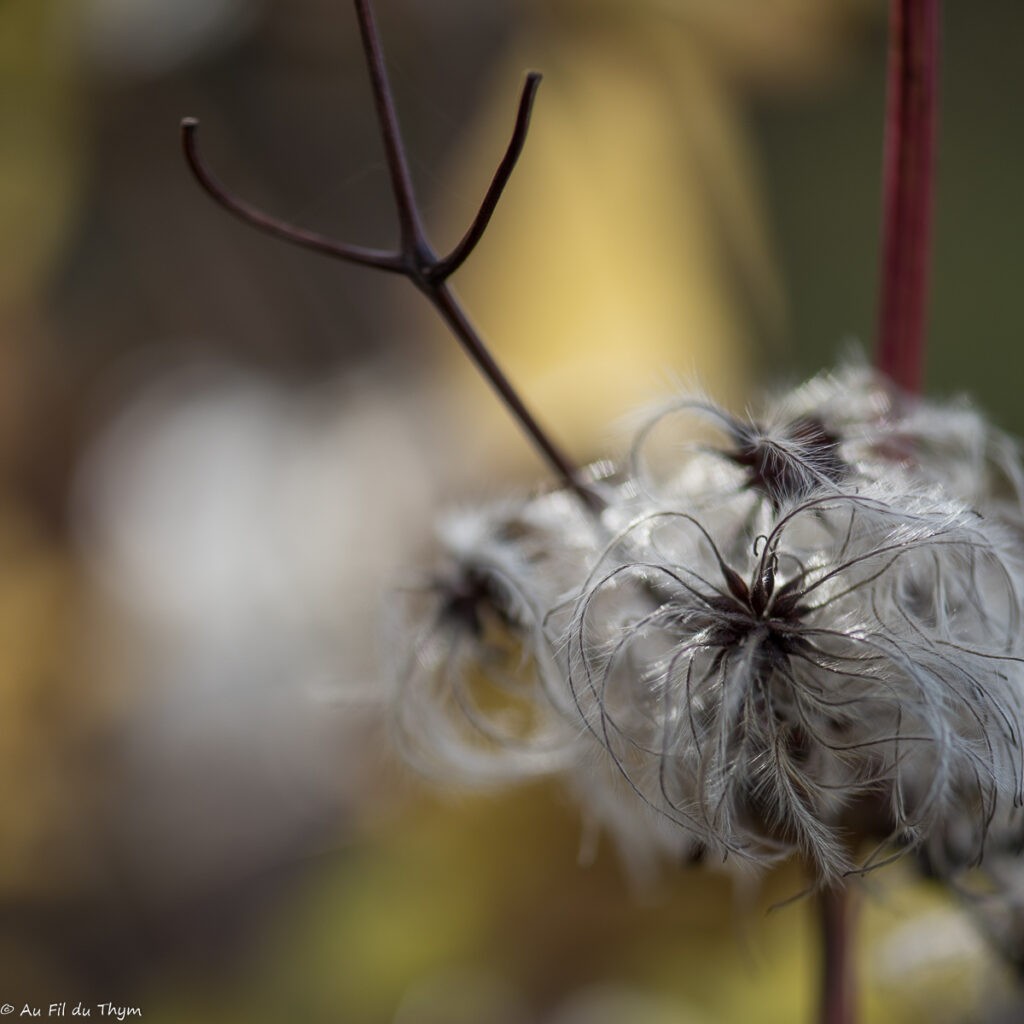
(797, 634)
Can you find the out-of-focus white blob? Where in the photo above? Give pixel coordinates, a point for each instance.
(151, 37)
(245, 536)
(216, 503)
(939, 960)
(933, 941)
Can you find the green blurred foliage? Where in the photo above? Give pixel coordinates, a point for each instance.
(40, 145)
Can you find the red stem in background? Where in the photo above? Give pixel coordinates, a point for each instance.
(838, 988)
(910, 124)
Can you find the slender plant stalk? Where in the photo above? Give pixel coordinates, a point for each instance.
(909, 172)
(838, 987)
(415, 258)
(909, 181)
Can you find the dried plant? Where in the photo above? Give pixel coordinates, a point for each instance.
(778, 662)
(797, 634)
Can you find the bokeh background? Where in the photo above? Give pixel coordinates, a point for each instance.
(218, 457)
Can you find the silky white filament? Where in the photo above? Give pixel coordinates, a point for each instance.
(799, 633)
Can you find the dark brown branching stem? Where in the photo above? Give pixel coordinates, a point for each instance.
(415, 258)
(910, 130)
(838, 991)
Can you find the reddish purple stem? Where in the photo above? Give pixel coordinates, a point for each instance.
(838, 989)
(910, 130)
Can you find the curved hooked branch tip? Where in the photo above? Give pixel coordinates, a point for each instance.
(378, 258)
(435, 270)
(472, 237)
(415, 259)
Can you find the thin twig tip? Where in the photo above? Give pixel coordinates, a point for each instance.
(414, 259)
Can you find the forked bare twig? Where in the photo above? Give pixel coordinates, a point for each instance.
(415, 258)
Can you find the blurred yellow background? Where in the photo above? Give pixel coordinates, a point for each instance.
(219, 455)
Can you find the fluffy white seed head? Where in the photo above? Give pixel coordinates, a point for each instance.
(799, 634)
(481, 696)
(858, 661)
